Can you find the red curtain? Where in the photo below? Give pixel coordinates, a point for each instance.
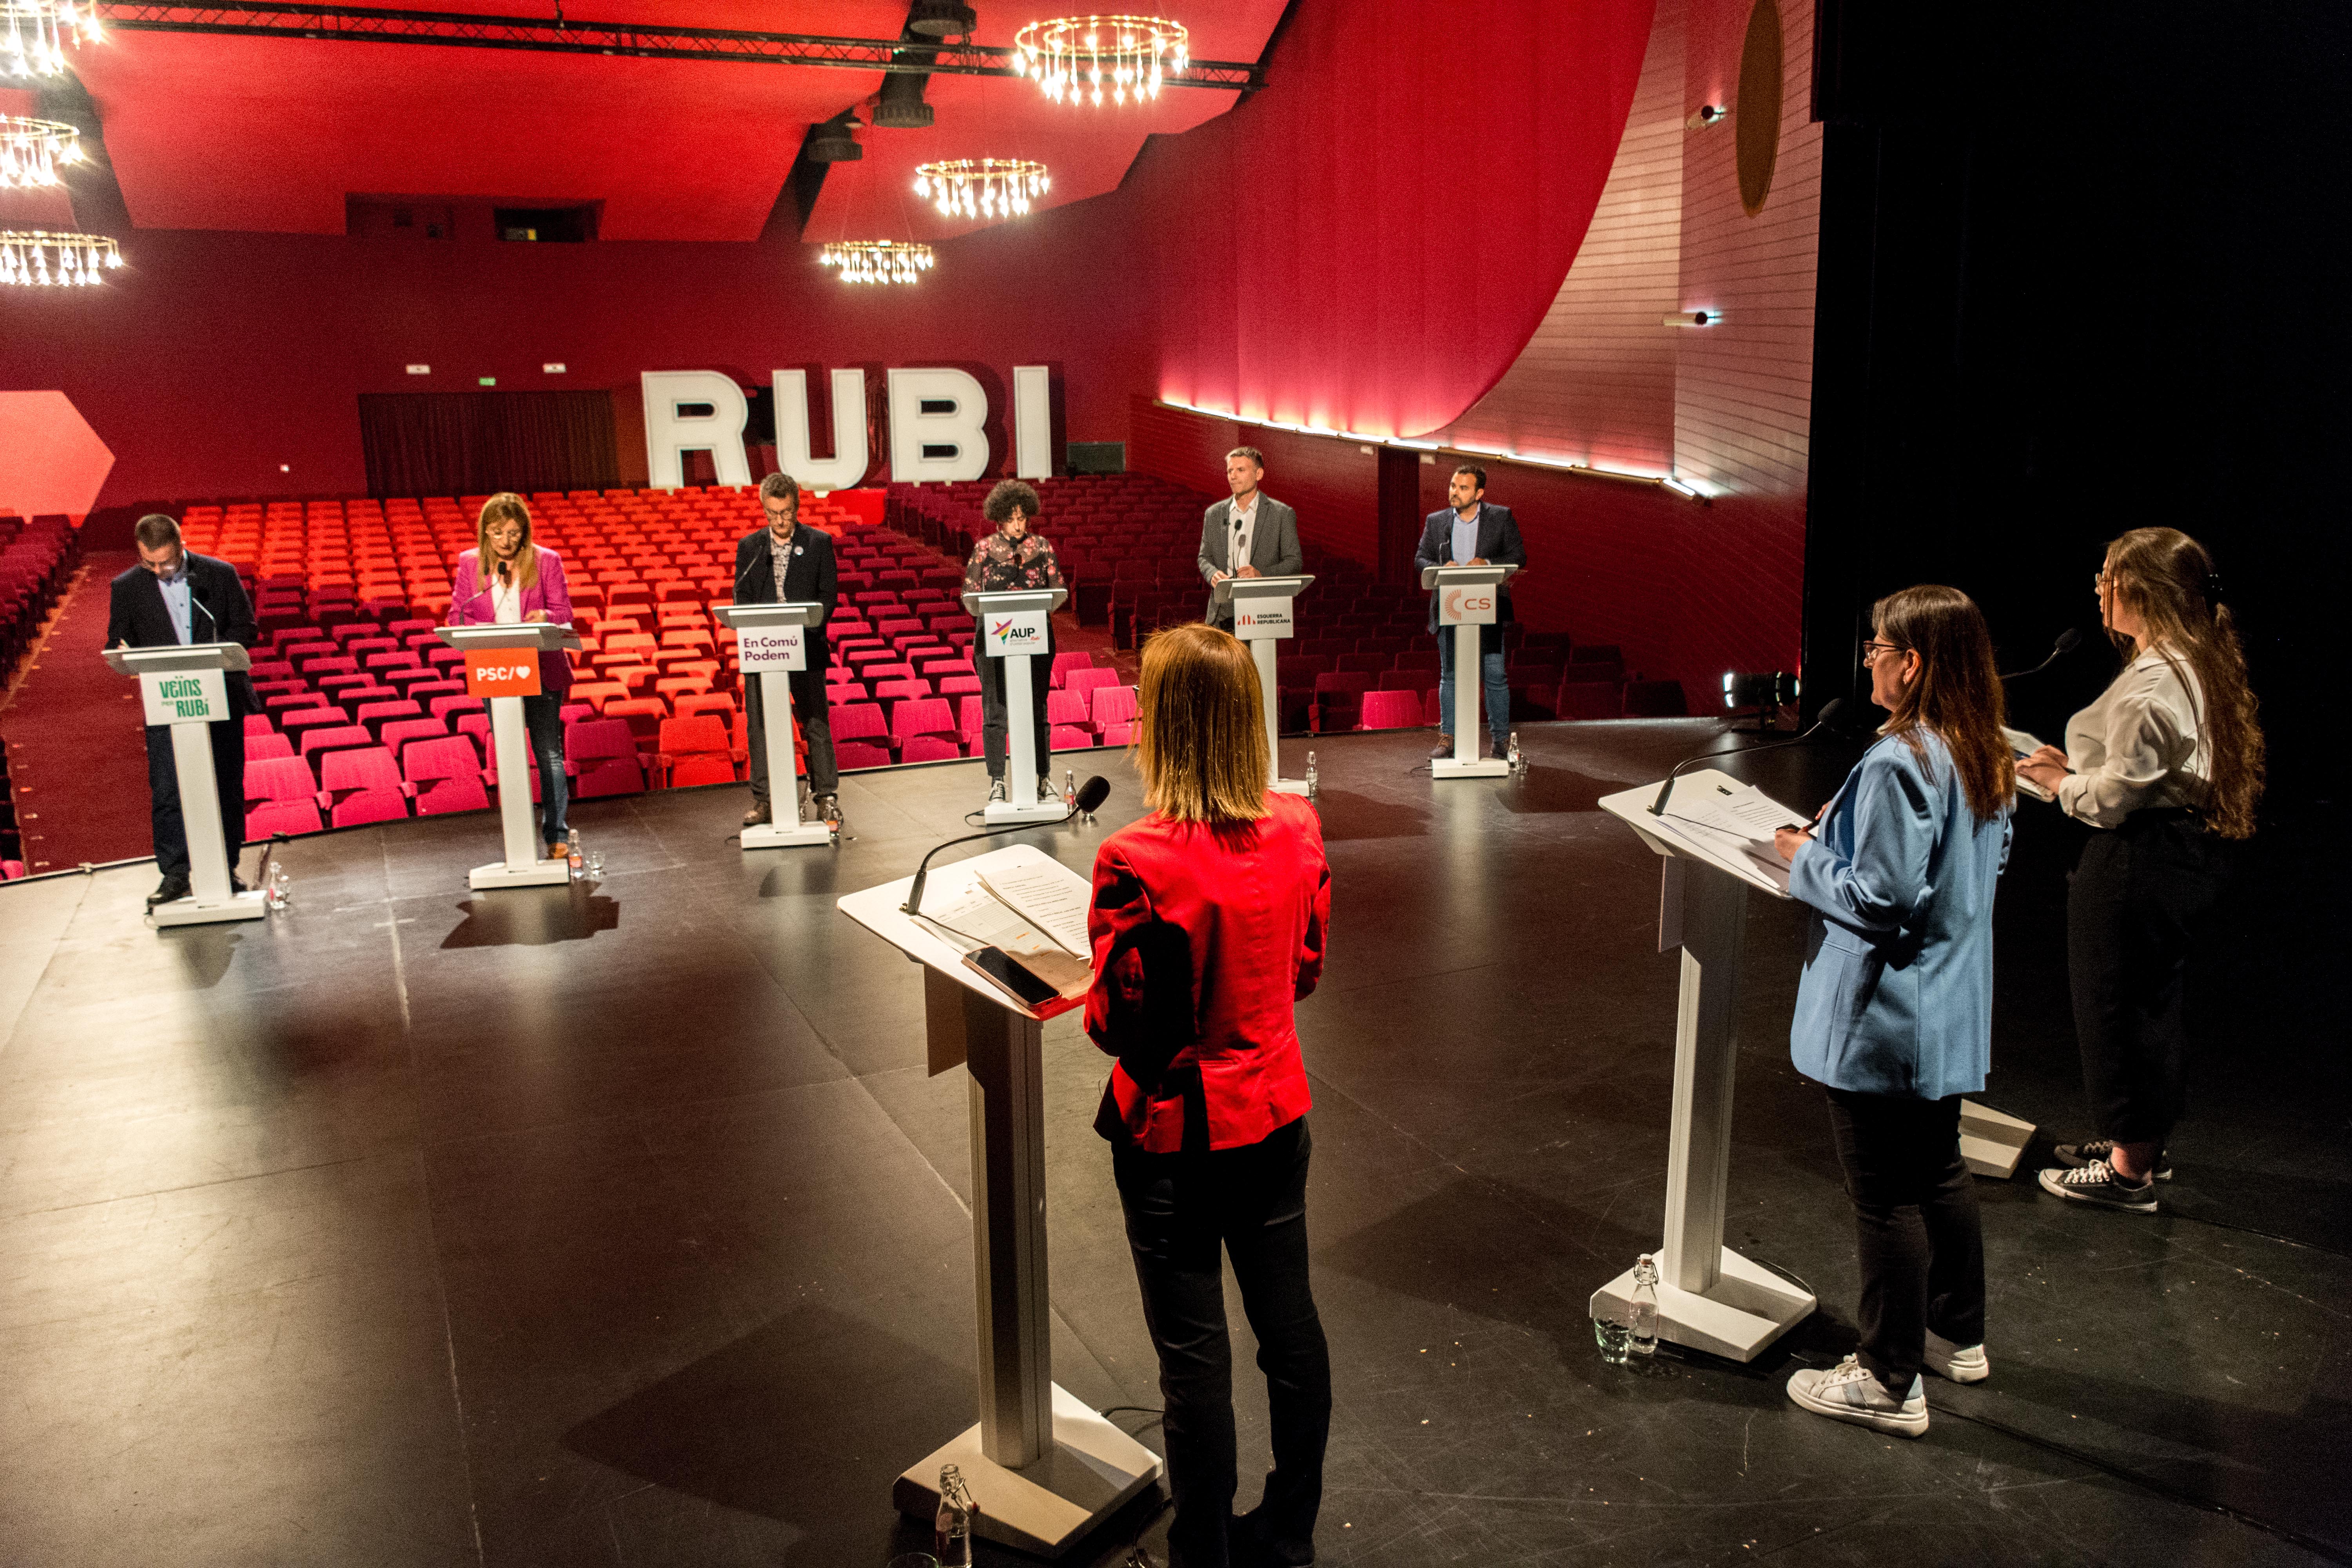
(1368, 244)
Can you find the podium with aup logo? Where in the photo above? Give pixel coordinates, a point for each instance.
(1467, 599)
(1016, 628)
(185, 685)
(502, 669)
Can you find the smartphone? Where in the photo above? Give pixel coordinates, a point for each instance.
(994, 962)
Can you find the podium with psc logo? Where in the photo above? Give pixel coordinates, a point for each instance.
(1466, 601)
(1261, 619)
(185, 685)
(1014, 625)
(524, 866)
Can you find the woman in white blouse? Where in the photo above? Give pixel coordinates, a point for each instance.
(2168, 764)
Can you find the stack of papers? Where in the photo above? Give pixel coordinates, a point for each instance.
(1737, 821)
(1035, 916)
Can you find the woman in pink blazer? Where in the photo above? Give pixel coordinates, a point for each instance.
(523, 582)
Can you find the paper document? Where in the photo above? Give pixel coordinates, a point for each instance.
(2025, 745)
(974, 918)
(1737, 821)
(1052, 897)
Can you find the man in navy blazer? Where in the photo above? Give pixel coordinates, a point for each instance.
(808, 575)
(176, 596)
(1472, 533)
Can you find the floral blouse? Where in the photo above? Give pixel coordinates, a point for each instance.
(1000, 564)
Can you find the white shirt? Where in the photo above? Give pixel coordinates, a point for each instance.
(1237, 538)
(2140, 744)
(505, 599)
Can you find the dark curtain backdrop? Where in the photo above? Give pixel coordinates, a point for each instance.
(478, 443)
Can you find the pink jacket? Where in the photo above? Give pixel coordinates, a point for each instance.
(469, 606)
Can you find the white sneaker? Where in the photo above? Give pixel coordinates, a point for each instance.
(1961, 1363)
(1848, 1392)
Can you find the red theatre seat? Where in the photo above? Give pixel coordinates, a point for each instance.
(1392, 709)
(287, 816)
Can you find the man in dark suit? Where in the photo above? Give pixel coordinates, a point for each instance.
(1250, 528)
(806, 575)
(1471, 533)
(176, 596)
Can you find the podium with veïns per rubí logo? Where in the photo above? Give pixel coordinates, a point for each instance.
(185, 685)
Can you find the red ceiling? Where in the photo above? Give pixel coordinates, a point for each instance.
(271, 134)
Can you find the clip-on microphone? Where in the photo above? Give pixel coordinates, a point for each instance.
(1091, 794)
(2066, 641)
(1832, 712)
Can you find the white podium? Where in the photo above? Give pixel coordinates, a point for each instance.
(1043, 1468)
(1014, 626)
(772, 640)
(1709, 1297)
(1261, 619)
(185, 685)
(1466, 601)
(525, 865)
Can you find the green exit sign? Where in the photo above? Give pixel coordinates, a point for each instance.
(487, 380)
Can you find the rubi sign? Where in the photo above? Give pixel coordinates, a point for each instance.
(771, 647)
(501, 672)
(1259, 618)
(1466, 606)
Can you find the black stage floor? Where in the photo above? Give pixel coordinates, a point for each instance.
(620, 1224)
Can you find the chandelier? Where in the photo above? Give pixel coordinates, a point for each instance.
(877, 260)
(982, 187)
(27, 259)
(39, 30)
(1075, 56)
(31, 150)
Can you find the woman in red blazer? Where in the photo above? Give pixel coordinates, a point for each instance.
(524, 582)
(1208, 923)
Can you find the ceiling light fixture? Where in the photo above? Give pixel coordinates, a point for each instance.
(982, 187)
(877, 260)
(27, 259)
(31, 150)
(39, 30)
(1079, 58)
(835, 140)
(941, 19)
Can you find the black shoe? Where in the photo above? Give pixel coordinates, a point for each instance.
(237, 884)
(166, 890)
(1248, 1547)
(2074, 1156)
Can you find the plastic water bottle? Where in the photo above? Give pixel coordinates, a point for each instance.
(1312, 778)
(1069, 789)
(278, 887)
(1518, 761)
(579, 861)
(951, 1526)
(1644, 1309)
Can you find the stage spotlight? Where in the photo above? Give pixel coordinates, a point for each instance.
(835, 141)
(1765, 693)
(900, 106)
(941, 19)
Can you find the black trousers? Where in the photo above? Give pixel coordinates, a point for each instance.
(2138, 901)
(1252, 1202)
(170, 829)
(994, 718)
(1916, 1230)
(816, 728)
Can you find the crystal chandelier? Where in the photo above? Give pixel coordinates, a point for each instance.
(39, 30)
(877, 260)
(1074, 58)
(982, 187)
(36, 258)
(31, 150)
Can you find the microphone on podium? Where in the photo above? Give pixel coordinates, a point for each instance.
(1091, 794)
(1832, 714)
(2066, 641)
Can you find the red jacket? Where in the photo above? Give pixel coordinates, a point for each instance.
(1203, 939)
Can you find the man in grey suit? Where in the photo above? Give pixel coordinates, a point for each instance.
(1252, 529)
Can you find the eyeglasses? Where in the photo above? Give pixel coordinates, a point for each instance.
(780, 514)
(1874, 648)
(2099, 578)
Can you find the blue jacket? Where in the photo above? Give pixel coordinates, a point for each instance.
(1896, 995)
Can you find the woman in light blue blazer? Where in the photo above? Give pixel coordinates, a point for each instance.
(1895, 1008)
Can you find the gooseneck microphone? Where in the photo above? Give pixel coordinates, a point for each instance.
(1091, 794)
(2066, 641)
(1832, 714)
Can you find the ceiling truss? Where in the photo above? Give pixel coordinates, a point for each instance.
(452, 29)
